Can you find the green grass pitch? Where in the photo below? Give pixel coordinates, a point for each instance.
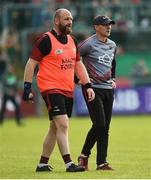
(129, 149)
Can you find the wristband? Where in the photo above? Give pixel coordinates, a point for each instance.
(27, 85)
(88, 85)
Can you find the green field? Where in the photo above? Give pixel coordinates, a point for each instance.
(129, 149)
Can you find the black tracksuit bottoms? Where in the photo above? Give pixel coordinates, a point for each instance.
(100, 110)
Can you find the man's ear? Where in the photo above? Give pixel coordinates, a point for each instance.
(56, 21)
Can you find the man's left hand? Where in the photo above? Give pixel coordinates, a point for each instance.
(90, 94)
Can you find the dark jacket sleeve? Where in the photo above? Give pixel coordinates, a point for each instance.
(113, 68)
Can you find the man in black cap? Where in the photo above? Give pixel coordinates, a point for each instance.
(98, 53)
(102, 20)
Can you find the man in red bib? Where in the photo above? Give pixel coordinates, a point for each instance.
(56, 54)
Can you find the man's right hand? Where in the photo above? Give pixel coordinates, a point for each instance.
(27, 94)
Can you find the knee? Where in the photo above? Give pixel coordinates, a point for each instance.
(102, 129)
(62, 127)
(99, 127)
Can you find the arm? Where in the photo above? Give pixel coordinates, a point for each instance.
(113, 68)
(113, 73)
(28, 77)
(82, 74)
(82, 50)
(41, 48)
(29, 70)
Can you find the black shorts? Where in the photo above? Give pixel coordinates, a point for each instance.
(58, 104)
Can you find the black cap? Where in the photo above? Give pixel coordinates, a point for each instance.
(102, 20)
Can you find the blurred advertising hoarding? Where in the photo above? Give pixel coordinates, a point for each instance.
(127, 101)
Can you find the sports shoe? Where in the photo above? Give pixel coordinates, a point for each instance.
(75, 168)
(104, 166)
(83, 161)
(44, 168)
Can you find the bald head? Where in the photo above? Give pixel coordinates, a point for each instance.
(63, 21)
(60, 12)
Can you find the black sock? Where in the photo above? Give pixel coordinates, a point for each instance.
(66, 158)
(44, 160)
